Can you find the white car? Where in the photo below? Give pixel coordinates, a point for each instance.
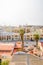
(20, 52)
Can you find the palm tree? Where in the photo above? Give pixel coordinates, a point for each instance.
(36, 37)
(21, 31)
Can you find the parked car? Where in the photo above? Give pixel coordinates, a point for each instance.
(20, 52)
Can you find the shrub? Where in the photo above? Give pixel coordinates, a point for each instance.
(6, 62)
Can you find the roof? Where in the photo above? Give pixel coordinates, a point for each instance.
(18, 44)
(5, 53)
(6, 46)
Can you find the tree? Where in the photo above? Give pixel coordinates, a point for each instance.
(22, 31)
(36, 37)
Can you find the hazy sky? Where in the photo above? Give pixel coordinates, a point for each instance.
(19, 12)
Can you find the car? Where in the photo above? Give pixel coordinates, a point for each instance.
(20, 52)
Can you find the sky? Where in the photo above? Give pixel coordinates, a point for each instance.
(21, 12)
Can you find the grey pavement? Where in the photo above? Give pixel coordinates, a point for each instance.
(26, 60)
(19, 59)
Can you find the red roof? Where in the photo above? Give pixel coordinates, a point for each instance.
(15, 50)
(18, 44)
(6, 47)
(7, 53)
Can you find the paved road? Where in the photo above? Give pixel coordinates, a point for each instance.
(18, 40)
(32, 60)
(27, 42)
(19, 59)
